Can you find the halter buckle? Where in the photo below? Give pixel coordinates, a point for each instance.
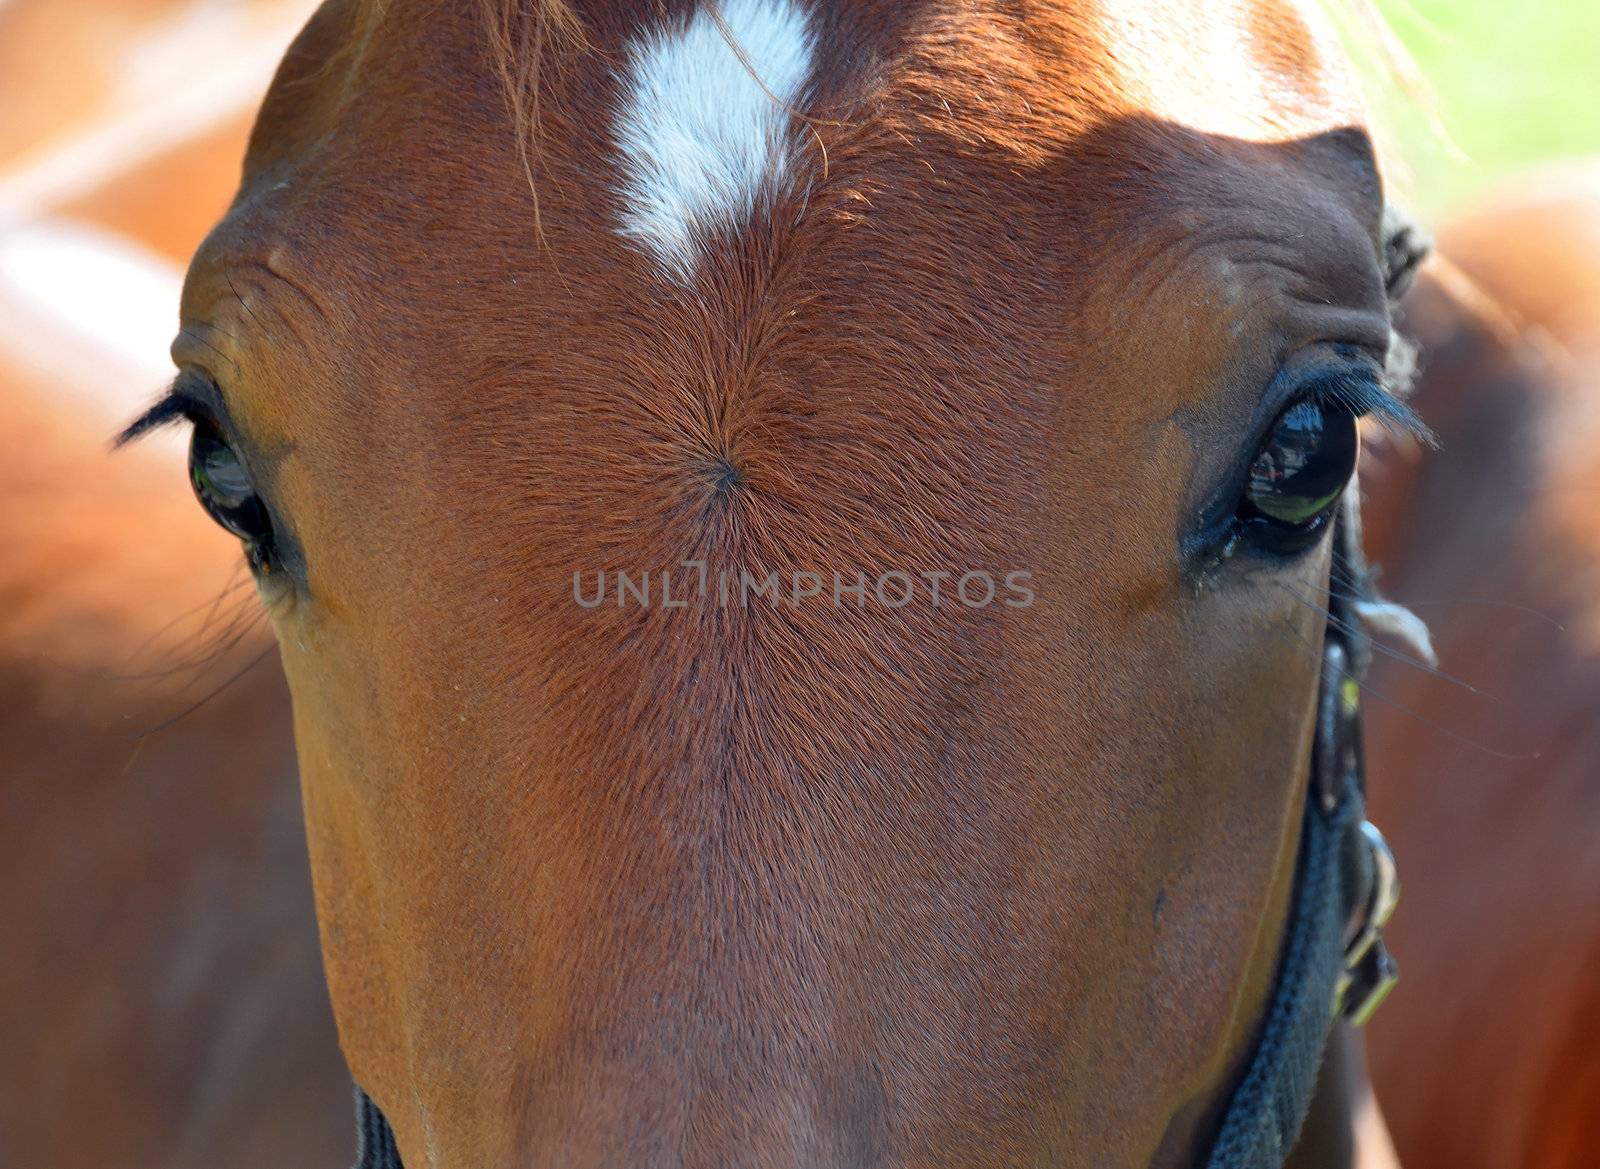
(1370, 972)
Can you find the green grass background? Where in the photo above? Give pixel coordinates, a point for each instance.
(1517, 82)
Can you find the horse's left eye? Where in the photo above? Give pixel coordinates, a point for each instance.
(224, 489)
(1299, 473)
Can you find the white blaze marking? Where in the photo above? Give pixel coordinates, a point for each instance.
(700, 136)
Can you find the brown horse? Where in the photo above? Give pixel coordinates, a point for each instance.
(805, 620)
(1490, 1054)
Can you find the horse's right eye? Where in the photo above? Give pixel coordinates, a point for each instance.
(223, 487)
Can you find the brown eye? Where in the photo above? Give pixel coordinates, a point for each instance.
(1300, 472)
(223, 487)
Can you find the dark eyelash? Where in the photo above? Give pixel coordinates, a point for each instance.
(169, 409)
(182, 402)
(1364, 395)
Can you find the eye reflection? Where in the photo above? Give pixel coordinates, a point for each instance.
(1305, 463)
(223, 487)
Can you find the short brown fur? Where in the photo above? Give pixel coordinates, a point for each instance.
(794, 886)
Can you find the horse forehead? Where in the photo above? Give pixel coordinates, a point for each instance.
(1251, 70)
(1260, 71)
(689, 118)
(716, 82)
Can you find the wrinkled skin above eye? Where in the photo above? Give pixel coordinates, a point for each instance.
(1305, 463)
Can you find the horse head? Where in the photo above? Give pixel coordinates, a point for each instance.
(799, 532)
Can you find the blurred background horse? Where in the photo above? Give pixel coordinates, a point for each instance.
(1490, 789)
(161, 995)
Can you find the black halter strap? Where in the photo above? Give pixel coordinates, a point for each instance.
(1334, 964)
(375, 1147)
